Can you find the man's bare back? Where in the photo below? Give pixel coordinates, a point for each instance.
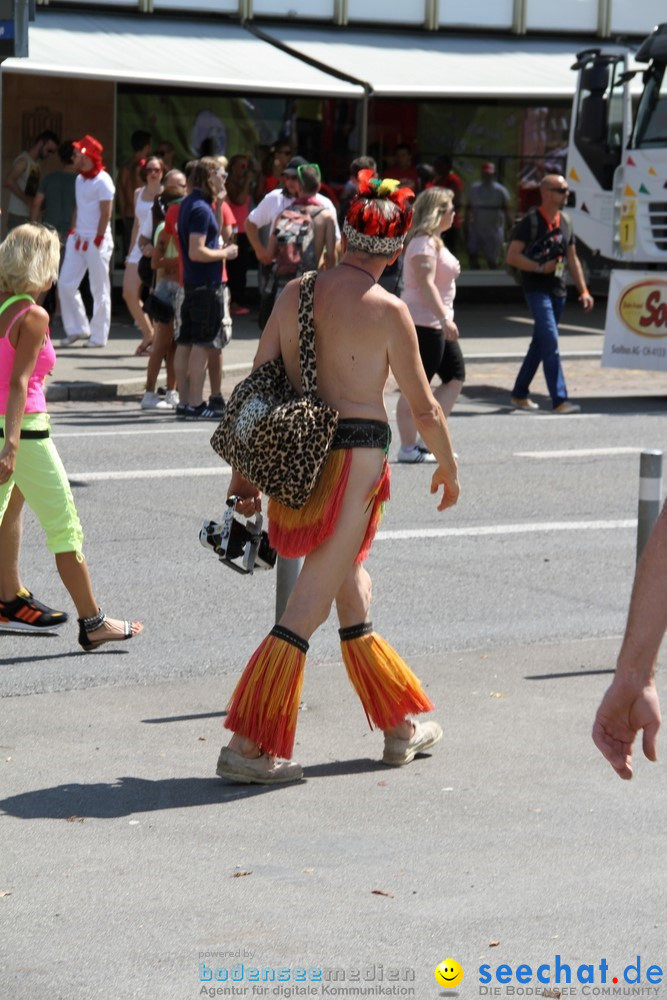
(354, 322)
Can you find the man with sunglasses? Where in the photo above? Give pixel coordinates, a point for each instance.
(541, 247)
(262, 218)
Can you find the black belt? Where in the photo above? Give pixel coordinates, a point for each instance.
(359, 432)
(31, 435)
(204, 284)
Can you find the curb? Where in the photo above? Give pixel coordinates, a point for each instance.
(62, 392)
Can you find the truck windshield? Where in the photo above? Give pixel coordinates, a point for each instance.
(651, 124)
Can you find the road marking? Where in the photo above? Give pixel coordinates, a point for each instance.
(504, 529)
(528, 321)
(143, 430)
(99, 477)
(577, 453)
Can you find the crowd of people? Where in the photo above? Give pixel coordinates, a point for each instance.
(184, 252)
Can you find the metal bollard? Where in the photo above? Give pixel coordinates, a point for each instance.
(287, 572)
(650, 496)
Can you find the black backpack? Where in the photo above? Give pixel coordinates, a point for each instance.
(565, 227)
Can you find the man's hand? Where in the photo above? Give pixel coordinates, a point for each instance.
(586, 300)
(250, 498)
(625, 709)
(450, 487)
(263, 256)
(231, 251)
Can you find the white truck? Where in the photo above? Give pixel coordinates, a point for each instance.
(617, 172)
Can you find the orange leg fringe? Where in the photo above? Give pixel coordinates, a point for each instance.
(386, 686)
(265, 702)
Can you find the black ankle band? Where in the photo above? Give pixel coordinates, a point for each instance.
(283, 633)
(90, 624)
(355, 631)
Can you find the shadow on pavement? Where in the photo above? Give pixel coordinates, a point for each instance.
(571, 673)
(127, 796)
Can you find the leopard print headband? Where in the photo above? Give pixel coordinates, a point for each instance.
(383, 246)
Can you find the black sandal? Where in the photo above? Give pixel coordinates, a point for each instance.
(87, 625)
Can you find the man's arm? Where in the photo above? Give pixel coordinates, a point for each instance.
(36, 207)
(405, 362)
(11, 183)
(577, 272)
(106, 207)
(201, 254)
(516, 257)
(252, 232)
(631, 703)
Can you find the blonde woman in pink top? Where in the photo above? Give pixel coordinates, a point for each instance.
(430, 271)
(29, 259)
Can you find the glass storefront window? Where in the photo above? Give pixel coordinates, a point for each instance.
(199, 6)
(293, 8)
(565, 16)
(477, 13)
(637, 17)
(407, 12)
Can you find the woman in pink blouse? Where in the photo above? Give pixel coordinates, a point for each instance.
(429, 287)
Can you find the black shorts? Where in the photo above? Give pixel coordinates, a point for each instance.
(202, 315)
(440, 357)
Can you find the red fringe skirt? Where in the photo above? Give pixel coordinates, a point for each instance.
(295, 533)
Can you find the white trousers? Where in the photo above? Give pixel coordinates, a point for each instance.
(96, 261)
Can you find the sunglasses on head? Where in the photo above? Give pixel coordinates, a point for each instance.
(308, 166)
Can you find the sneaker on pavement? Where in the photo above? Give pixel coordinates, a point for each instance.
(216, 402)
(26, 614)
(202, 412)
(523, 404)
(181, 411)
(171, 398)
(262, 770)
(399, 752)
(70, 340)
(414, 455)
(567, 407)
(151, 401)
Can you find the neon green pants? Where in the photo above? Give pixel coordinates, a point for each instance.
(40, 475)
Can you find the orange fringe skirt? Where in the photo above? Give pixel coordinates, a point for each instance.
(295, 533)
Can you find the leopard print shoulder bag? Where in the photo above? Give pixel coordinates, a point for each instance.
(277, 439)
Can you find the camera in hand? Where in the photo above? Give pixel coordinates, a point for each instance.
(239, 542)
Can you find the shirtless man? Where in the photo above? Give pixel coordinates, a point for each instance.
(361, 331)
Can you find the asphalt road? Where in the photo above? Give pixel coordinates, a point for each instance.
(126, 863)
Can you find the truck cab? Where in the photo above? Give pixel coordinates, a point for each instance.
(617, 157)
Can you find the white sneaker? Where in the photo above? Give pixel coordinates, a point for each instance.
(152, 401)
(71, 339)
(172, 398)
(413, 455)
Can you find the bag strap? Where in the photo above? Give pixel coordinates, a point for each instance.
(307, 356)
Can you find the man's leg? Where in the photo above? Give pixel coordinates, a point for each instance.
(537, 303)
(264, 706)
(75, 320)
(100, 288)
(387, 688)
(197, 374)
(214, 363)
(182, 367)
(553, 369)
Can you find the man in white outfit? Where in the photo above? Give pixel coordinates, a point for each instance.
(89, 247)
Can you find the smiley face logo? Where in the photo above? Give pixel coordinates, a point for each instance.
(449, 973)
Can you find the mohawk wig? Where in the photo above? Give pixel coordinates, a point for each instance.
(380, 215)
